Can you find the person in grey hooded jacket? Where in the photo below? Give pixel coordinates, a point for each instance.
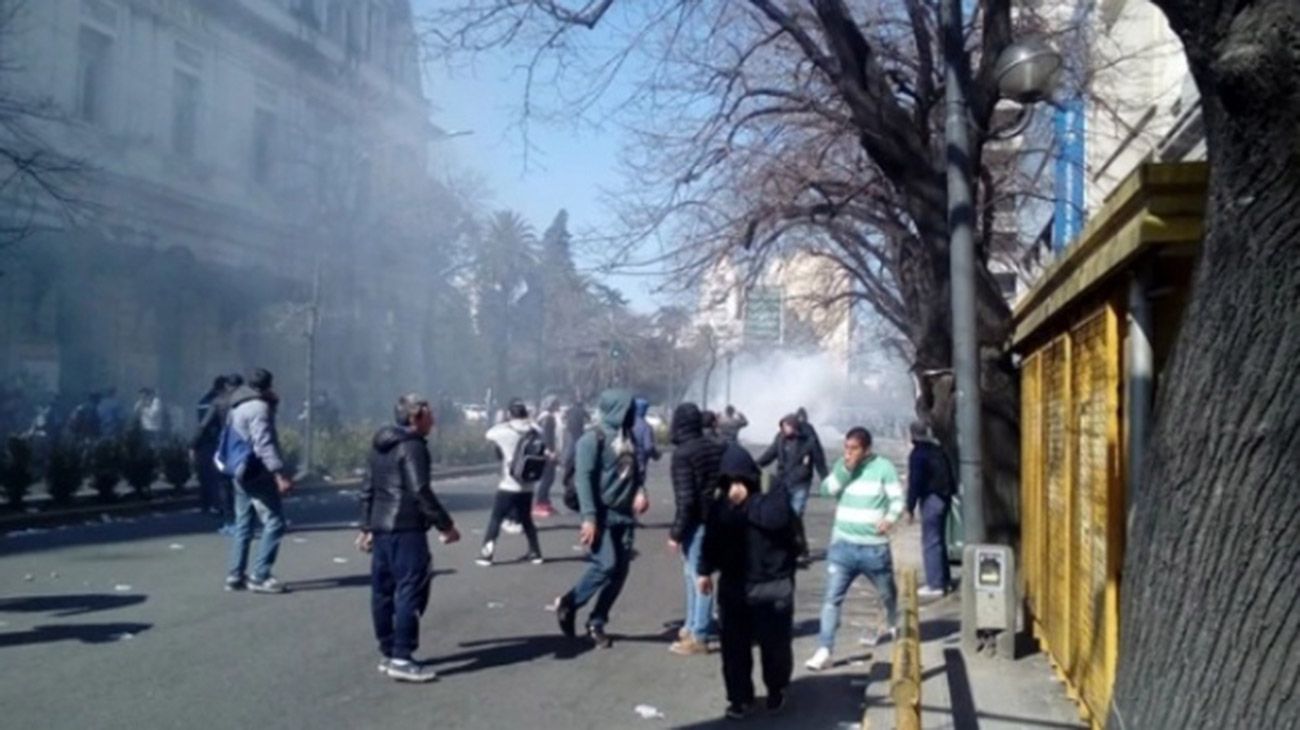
(259, 483)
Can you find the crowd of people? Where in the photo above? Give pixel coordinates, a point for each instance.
(739, 532)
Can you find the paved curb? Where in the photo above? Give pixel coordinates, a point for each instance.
(169, 501)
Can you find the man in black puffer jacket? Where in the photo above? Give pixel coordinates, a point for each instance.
(751, 545)
(696, 459)
(397, 508)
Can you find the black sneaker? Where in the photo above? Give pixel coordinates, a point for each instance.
(535, 558)
(775, 701)
(737, 711)
(566, 615)
(405, 670)
(485, 555)
(235, 583)
(598, 635)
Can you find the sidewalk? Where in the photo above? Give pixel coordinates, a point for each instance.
(957, 692)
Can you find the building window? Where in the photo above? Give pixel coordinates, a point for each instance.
(94, 58)
(185, 113)
(264, 130)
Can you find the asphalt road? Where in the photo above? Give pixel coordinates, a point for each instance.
(124, 625)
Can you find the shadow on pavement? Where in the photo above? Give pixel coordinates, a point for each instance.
(816, 701)
(69, 604)
(959, 691)
(85, 633)
(493, 653)
(360, 580)
(939, 628)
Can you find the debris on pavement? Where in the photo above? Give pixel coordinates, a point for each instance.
(648, 712)
(176, 546)
(122, 587)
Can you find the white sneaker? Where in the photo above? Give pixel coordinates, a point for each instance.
(485, 555)
(820, 660)
(878, 637)
(510, 527)
(407, 671)
(928, 592)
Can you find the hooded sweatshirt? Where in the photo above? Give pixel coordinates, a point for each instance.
(695, 463)
(506, 436)
(753, 542)
(252, 417)
(606, 479)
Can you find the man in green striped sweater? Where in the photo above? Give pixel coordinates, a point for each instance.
(870, 503)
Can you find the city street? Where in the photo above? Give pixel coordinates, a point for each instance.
(125, 625)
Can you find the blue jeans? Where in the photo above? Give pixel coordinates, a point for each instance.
(934, 546)
(258, 494)
(699, 607)
(846, 561)
(799, 499)
(399, 590)
(607, 569)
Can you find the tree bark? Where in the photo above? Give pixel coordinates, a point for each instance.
(1210, 626)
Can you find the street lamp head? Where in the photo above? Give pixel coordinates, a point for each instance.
(1027, 71)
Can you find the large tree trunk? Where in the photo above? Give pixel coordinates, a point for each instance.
(1210, 633)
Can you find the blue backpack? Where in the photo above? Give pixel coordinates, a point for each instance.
(233, 452)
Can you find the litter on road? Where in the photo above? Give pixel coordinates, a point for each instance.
(648, 712)
(122, 587)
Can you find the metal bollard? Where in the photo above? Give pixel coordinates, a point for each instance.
(905, 674)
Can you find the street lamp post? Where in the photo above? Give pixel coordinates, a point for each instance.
(1026, 72)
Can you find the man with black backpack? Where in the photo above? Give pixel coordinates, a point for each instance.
(609, 496)
(524, 457)
(930, 484)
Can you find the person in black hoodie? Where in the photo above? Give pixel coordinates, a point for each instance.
(696, 459)
(397, 508)
(750, 542)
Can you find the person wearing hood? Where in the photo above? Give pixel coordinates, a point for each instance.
(930, 484)
(751, 543)
(398, 507)
(798, 456)
(258, 484)
(549, 423)
(643, 436)
(610, 497)
(695, 464)
(514, 498)
(204, 445)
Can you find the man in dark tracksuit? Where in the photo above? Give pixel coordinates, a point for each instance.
(750, 543)
(397, 508)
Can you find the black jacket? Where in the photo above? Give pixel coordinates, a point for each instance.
(796, 458)
(696, 459)
(755, 542)
(928, 472)
(211, 421)
(396, 496)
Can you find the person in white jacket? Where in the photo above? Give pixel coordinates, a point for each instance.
(514, 499)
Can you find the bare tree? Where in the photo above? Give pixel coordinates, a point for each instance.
(38, 184)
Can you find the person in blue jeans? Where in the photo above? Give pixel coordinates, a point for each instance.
(930, 485)
(398, 507)
(870, 503)
(798, 455)
(259, 484)
(695, 463)
(610, 496)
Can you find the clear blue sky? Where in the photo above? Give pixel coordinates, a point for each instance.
(567, 166)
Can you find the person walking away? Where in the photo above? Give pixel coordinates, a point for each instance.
(695, 463)
(798, 458)
(549, 423)
(514, 492)
(930, 484)
(203, 446)
(818, 453)
(609, 499)
(259, 483)
(870, 502)
(643, 436)
(751, 543)
(731, 423)
(398, 507)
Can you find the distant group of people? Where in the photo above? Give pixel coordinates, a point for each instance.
(740, 542)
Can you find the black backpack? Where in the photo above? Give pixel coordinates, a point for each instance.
(530, 458)
(571, 468)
